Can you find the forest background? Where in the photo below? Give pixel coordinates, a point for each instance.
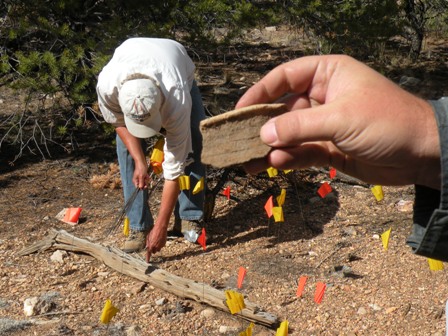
(53, 50)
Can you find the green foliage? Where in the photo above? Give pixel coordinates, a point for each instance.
(56, 48)
(346, 26)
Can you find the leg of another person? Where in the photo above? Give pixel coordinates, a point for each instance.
(190, 207)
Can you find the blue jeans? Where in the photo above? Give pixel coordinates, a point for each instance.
(189, 206)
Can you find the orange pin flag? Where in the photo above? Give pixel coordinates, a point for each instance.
(69, 215)
(278, 214)
(248, 331)
(156, 167)
(281, 198)
(268, 206)
(241, 274)
(199, 186)
(385, 238)
(272, 172)
(235, 301)
(283, 329)
(226, 192)
(378, 192)
(324, 190)
(202, 239)
(184, 182)
(435, 265)
(332, 173)
(319, 293)
(126, 226)
(301, 286)
(109, 311)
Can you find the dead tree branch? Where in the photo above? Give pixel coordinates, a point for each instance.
(138, 269)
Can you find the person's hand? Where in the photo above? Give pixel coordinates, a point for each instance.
(156, 239)
(346, 115)
(141, 178)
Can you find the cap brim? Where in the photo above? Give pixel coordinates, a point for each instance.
(145, 129)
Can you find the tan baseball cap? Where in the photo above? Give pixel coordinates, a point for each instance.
(140, 101)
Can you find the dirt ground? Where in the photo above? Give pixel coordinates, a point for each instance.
(334, 240)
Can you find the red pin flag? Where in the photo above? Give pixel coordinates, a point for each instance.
(202, 239)
(70, 215)
(320, 290)
(301, 286)
(226, 192)
(269, 206)
(241, 274)
(324, 190)
(332, 173)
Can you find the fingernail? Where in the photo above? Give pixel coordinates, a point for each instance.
(268, 133)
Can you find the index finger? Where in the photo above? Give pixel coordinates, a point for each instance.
(291, 77)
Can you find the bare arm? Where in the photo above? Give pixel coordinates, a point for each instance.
(157, 237)
(132, 143)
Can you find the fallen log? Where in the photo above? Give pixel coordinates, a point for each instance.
(139, 269)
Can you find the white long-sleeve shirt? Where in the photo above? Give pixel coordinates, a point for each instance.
(168, 62)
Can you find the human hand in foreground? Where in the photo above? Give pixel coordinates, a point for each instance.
(155, 241)
(346, 115)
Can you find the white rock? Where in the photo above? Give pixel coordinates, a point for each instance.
(29, 306)
(36, 306)
(227, 329)
(362, 311)
(207, 313)
(145, 307)
(376, 236)
(58, 256)
(161, 301)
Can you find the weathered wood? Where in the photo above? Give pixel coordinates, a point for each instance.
(139, 269)
(234, 137)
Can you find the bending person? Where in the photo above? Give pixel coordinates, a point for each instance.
(148, 87)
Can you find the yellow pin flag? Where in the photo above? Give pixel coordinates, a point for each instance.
(157, 156)
(272, 172)
(278, 214)
(158, 147)
(126, 226)
(385, 238)
(283, 329)
(184, 182)
(287, 171)
(199, 186)
(377, 192)
(109, 311)
(281, 198)
(435, 265)
(248, 331)
(235, 301)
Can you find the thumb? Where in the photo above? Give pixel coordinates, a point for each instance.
(321, 123)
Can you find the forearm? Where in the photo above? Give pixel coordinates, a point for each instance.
(170, 193)
(132, 144)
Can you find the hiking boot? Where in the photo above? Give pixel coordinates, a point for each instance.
(135, 242)
(189, 229)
